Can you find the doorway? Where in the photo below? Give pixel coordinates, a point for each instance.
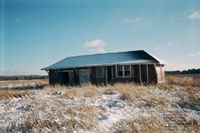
(109, 74)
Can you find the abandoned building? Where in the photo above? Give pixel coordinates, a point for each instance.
(131, 66)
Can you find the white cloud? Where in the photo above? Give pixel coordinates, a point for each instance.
(194, 15)
(195, 54)
(157, 47)
(97, 50)
(170, 44)
(95, 43)
(96, 46)
(191, 55)
(132, 20)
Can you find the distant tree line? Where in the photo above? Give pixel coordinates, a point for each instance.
(23, 77)
(189, 71)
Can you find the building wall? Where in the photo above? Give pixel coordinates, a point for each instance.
(149, 74)
(152, 74)
(95, 79)
(160, 73)
(122, 79)
(52, 77)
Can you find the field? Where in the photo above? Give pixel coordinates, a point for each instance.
(34, 106)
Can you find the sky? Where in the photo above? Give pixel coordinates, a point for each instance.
(38, 33)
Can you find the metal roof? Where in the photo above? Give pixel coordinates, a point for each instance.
(134, 57)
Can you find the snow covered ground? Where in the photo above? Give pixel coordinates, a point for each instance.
(93, 110)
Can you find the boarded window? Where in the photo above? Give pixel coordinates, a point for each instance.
(99, 72)
(119, 71)
(127, 71)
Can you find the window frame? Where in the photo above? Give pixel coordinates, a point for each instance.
(129, 70)
(102, 74)
(117, 71)
(123, 71)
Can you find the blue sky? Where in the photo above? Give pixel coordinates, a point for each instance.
(36, 33)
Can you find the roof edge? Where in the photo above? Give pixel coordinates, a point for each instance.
(93, 65)
(156, 58)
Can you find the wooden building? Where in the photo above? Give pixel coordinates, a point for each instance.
(131, 66)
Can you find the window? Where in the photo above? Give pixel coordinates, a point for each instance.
(124, 71)
(127, 71)
(99, 72)
(119, 71)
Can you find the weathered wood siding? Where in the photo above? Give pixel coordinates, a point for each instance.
(160, 73)
(149, 74)
(95, 79)
(122, 79)
(152, 74)
(136, 73)
(52, 77)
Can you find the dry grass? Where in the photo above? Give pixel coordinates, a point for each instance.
(187, 87)
(108, 91)
(9, 94)
(189, 98)
(72, 92)
(143, 96)
(150, 124)
(35, 122)
(76, 118)
(83, 117)
(90, 90)
(158, 124)
(158, 98)
(177, 121)
(183, 80)
(129, 91)
(24, 82)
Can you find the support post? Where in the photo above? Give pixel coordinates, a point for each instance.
(112, 71)
(140, 74)
(147, 73)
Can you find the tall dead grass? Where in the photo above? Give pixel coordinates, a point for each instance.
(158, 124)
(72, 92)
(9, 94)
(183, 80)
(129, 91)
(187, 87)
(83, 117)
(150, 124)
(76, 118)
(23, 82)
(143, 96)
